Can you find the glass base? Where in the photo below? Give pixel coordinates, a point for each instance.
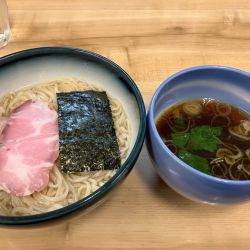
(4, 38)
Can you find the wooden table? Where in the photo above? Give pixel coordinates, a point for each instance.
(150, 39)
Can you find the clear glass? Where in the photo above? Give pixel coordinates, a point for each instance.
(4, 24)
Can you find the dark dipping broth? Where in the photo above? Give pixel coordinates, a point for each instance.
(210, 136)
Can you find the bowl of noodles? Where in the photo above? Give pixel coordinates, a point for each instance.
(72, 124)
(199, 134)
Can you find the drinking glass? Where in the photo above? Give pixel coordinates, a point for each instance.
(4, 24)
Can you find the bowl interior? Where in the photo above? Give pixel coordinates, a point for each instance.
(220, 83)
(52, 66)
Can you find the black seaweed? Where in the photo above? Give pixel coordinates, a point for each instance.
(87, 136)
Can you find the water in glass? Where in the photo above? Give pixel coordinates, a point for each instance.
(4, 24)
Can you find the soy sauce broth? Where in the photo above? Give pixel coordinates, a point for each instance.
(210, 136)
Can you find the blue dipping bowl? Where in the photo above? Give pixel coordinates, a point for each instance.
(217, 82)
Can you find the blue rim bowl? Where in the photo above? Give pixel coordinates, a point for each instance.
(218, 82)
(16, 63)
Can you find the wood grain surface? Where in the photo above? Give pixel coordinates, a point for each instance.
(150, 39)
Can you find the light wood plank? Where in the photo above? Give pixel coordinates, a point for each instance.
(151, 40)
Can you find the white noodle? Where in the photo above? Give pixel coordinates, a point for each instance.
(63, 189)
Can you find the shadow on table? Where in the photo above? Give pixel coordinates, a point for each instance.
(161, 190)
(152, 181)
(60, 222)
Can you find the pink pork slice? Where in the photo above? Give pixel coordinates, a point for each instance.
(28, 149)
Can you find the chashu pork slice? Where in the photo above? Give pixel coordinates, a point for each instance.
(28, 148)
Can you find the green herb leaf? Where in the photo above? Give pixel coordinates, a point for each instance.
(180, 139)
(200, 138)
(216, 130)
(194, 161)
(204, 138)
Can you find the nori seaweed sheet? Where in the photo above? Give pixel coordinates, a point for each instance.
(87, 136)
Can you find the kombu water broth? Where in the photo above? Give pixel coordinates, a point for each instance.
(227, 155)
